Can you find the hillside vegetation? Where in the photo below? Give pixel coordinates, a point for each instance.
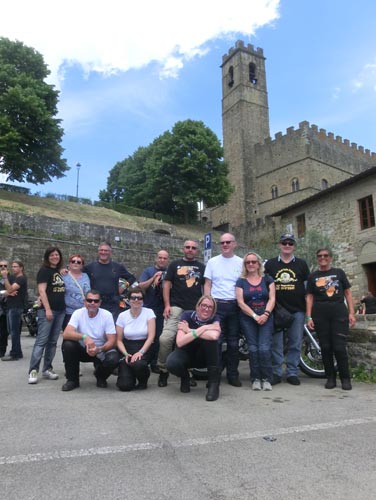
(65, 210)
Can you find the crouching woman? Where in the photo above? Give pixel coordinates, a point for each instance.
(197, 346)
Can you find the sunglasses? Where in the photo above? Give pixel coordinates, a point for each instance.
(3, 265)
(76, 261)
(93, 301)
(187, 247)
(136, 298)
(323, 256)
(226, 242)
(251, 261)
(287, 243)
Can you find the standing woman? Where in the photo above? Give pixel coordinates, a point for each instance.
(327, 313)
(135, 329)
(51, 314)
(255, 294)
(77, 284)
(16, 287)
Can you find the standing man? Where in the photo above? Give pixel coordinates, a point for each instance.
(290, 274)
(3, 310)
(151, 282)
(90, 336)
(104, 276)
(16, 287)
(221, 274)
(182, 289)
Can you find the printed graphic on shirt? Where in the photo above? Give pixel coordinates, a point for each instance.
(328, 285)
(191, 275)
(57, 283)
(285, 279)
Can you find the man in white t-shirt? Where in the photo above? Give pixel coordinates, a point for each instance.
(90, 336)
(221, 274)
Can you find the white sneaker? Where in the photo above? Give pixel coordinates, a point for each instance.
(33, 377)
(266, 385)
(50, 375)
(256, 385)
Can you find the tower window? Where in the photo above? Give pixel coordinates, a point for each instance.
(366, 212)
(231, 76)
(301, 225)
(324, 184)
(295, 185)
(274, 192)
(252, 73)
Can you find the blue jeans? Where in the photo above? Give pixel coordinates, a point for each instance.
(228, 313)
(47, 337)
(294, 336)
(14, 321)
(259, 340)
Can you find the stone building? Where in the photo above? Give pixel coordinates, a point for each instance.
(268, 174)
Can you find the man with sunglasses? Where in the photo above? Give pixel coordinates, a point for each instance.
(290, 275)
(90, 337)
(181, 290)
(221, 274)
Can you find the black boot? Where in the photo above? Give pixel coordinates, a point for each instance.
(213, 384)
(185, 385)
(331, 382)
(162, 379)
(346, 384)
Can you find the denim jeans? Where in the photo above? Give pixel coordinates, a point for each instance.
(294, 336)
(228, 313)
(14, 321)
(259, 340)
(47, 337)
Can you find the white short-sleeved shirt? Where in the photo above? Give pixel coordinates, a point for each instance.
(135, 328)
(97, 328)
(223, 273)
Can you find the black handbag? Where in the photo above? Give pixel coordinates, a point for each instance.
(282, 317)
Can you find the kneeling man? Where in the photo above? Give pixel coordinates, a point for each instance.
(90, 336)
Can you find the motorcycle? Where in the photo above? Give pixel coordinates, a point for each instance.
(29, 317)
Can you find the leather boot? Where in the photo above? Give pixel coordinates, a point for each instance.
(331, 382)
(346, 384)
(213, 384)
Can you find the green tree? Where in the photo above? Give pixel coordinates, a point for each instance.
(176, 171)
(30, 135)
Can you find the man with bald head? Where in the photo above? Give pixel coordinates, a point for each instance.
(182, 288)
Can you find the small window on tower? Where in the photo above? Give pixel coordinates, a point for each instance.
(300, 222)
(324, 184)
(252, 73)
(274, 192)
(231, 76)
(295, 185)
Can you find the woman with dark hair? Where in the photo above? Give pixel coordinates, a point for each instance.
(255, 294)
(77, 283)
(51, 314)
(327, 290)
(197, 346)
(16, 287)
(135, 329)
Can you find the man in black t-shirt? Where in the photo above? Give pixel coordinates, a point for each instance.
(290, 274)
(182, 289)
(3, 311)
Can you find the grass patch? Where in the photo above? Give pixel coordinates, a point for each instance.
(363, 374)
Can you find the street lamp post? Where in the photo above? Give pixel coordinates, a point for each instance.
(78, 165)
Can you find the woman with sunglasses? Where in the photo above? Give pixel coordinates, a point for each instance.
(255, 294)
(326, 312)
(51, 290)
(77, 284)
(135, 329)
(197, 347)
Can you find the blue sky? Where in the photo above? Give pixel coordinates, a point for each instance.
(128, 73)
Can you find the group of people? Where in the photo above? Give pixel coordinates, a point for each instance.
(180, 314)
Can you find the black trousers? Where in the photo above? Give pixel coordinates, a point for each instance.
(74, 353)
(331, 321)
(3, 334)
(130, 372)
(198, 354)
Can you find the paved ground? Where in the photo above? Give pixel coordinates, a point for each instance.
(295, 442)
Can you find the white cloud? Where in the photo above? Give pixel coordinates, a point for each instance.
(115, 35)
(366, 78)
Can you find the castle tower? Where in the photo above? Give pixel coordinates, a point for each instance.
(245, 121)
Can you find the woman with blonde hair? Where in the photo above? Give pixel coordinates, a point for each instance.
(255, 294)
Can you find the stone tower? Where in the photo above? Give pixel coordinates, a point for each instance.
(245, 121)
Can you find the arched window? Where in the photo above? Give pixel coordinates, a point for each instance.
(252, 73)
(274, 192)
(231, 76)
(324, 184)
(295, 185)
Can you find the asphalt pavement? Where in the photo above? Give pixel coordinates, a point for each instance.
(301, 442)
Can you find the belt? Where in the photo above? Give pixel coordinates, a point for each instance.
(225, 301)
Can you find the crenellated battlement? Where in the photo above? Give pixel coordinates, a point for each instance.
(312, 132)
(240, 45)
